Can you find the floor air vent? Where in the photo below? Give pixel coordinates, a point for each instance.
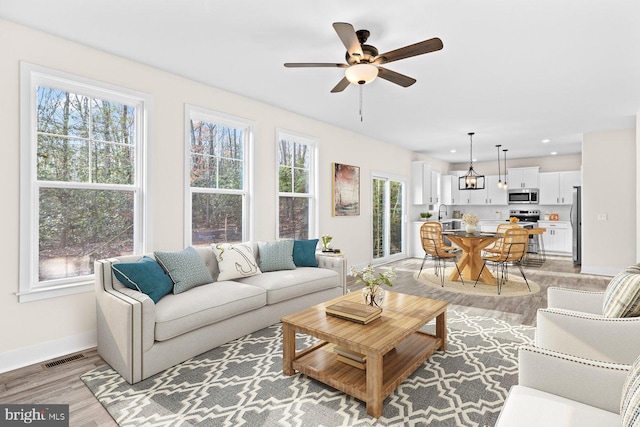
(63, 361)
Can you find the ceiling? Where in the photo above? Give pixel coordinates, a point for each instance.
(513, 72)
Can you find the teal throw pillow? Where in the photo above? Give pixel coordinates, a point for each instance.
(144, 276)
(186, 268)
(304, 253)
(276, 256)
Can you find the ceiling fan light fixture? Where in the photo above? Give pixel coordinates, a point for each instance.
(361, 74)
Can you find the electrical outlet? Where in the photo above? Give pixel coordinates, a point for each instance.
(602, 217)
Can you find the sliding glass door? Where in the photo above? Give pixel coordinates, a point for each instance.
(388, 213)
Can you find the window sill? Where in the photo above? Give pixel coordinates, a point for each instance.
(53, 292)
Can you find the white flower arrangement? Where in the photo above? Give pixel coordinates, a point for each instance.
(470, 219)
(369, 277)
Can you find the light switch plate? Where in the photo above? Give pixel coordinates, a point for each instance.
(602, 217)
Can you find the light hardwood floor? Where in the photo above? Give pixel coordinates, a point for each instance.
(62, 385)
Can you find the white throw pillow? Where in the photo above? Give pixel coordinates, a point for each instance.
(235, 260)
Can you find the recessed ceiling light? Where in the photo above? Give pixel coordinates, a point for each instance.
(553, 153)
(544, 141)
(452, 151)
(475, 160)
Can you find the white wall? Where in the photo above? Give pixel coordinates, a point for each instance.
(570, 162)
(43, 329)
(608, 187)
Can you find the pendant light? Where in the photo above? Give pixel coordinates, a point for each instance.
(471, 180)
(504, 184)
(499, 176)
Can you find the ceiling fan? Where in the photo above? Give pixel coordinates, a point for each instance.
(363, 61)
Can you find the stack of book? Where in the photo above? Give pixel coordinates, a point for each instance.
(355, 312)
(349, 357)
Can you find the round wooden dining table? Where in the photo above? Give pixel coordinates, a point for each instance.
(470, 262)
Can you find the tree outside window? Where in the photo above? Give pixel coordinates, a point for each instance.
(295, 186)
(217, 151)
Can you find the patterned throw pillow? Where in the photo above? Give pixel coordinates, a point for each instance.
(144, 276)
(276, 256)
(622, 296)
(630, 403)
(304, 253)
(186, 269)
(235, 260)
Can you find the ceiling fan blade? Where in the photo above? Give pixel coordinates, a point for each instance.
(349, 38)
(397, 78)
(313, 64)
(342, 85)
(416, 49)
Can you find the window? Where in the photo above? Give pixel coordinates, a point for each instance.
(218, 185)
(296, 181)
(81, 182)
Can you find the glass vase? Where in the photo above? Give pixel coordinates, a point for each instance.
(373, 295)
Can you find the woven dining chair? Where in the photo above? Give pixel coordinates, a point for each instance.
(434, 248)
(496, 248)
(513, 250)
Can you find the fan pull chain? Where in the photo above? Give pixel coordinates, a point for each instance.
(360, 86)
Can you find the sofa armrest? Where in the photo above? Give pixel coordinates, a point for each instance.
(588, 335)
(593, 383)
(575, 299)
(337, 264)
(125, 323)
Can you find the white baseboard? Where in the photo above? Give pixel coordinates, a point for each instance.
(600, 271)
(38, 353)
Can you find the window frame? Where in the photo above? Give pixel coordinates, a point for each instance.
(32, 76)
(312, 195)
(228, 120)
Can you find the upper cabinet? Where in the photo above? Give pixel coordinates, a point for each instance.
(490, 195)
(425, 184)
(523, 177)
(556, 187)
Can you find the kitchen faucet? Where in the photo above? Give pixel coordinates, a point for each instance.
(440, 210)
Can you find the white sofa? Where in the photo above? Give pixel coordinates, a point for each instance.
(574, 324)
(139, 338)
(560, 390)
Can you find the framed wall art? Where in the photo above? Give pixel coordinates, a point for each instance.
(346, 190)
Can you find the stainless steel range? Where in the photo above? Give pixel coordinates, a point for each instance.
(530, 218)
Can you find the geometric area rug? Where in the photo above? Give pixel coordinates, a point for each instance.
(241, 383)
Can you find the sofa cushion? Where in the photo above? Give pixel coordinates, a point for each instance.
(528, 407)
(275, 256)
(186, 269)
(144, 276)
(622, 296)
(287, 284)
(235, 260)
(205, 305)
(304, 253)
(630, 403)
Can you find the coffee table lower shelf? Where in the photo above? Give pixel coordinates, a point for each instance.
(398, 365)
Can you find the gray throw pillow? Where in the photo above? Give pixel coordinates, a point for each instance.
(276, 256)
(186, 269)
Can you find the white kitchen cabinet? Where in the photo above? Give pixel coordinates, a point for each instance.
(423, 191)
(415, 241)
(558, 237)
(556, 187)
(523, 177)
(495, 195)
(450, 194)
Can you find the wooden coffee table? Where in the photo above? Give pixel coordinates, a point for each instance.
(393, 345)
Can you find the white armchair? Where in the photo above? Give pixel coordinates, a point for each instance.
(557, 389)
(573, 324)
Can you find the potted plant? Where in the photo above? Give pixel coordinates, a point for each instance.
(425, 215)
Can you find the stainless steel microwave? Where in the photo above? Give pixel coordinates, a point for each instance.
(523, 196)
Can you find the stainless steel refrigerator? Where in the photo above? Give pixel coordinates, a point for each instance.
(576, 224)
